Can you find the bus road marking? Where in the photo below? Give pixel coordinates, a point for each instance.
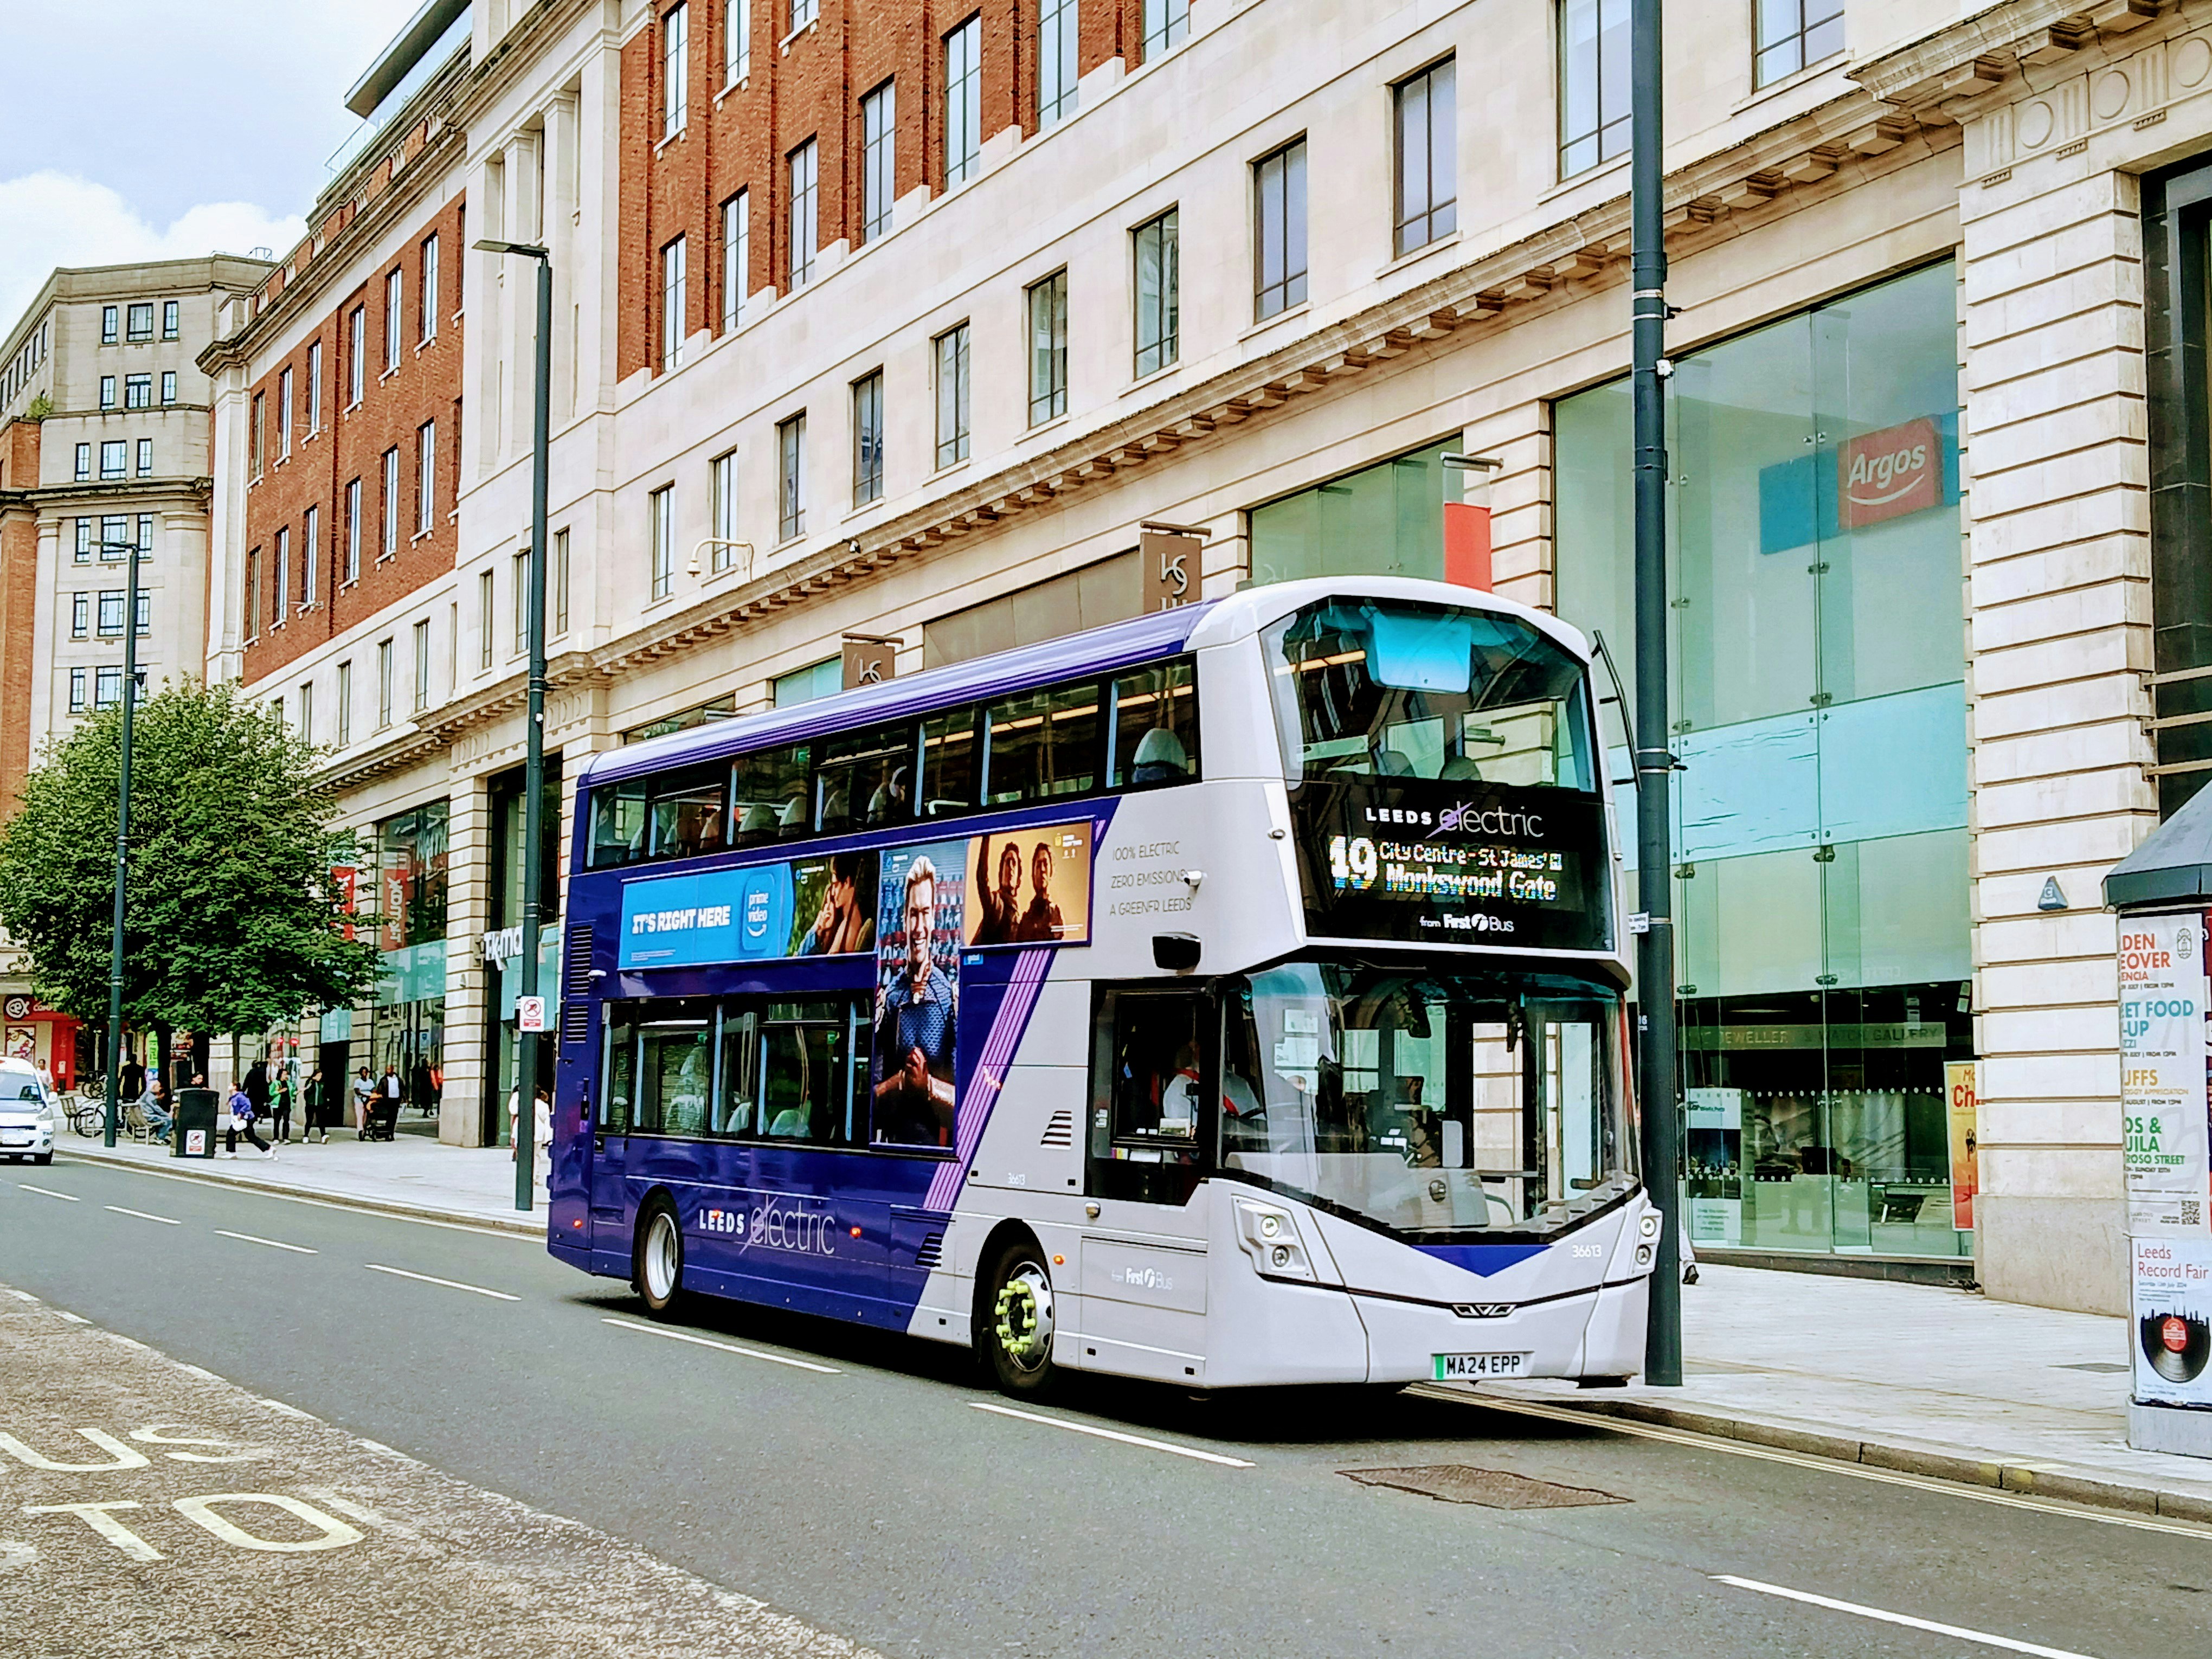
(1955, 1630)
(726, 1347)
(1115, 1434)
(273, 1244)
(450, 1284)
(47, 1192)
(145, 1216)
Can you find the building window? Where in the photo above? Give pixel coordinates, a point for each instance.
(76, 691)
(1278, 224)
(145, 622)
(791, 478)
(671, 304)
(352, 530)
(108, 318)
(737, 41)
(251, 610)
(1167, 24)
(107, 688)
(802, 214)
(115, 538)
(522, 582)
(1428, 158)
(1594, 82)
(110, 613)
(256, 432)
(426, 475)
(1056, 71)
(357, 355)
(314, 386)
(311, 557)
(391, 527)
(422, 632)
(868, 439)
(84, 463)
(78, 621)
(952, 401)
(737, 256)
(485, 600)
(137, 391)
(280, 576)
(964, 102)
(430, 297)
(383, 683)
(662, 526)
(825, 678)
(394, 309)
(168, 319)
(675, 70)
(1159, 319)
(168, 385)
(1793, 33)
(878, 177)
(722, 502)
(146, 534)
(560, 582)
(145, 457)
(83, 541)
(138, 321)
(803, 12)
(108, 392)
(1048, 307)
(345, 704)
(308, 710)
(114, 457)
(284, 414)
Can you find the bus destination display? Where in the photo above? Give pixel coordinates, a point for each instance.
(1450, 864)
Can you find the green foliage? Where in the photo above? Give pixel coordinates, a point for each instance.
(39, 407)
(230, 925)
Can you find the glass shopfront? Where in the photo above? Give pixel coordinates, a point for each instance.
(1817, 659)
(1384, 520)
(407, 1030)
(504, 963)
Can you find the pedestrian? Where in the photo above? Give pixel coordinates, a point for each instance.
(311, 1101)
(130, 1080)
(388, 1094)
(364, 1091)
(542, 1135)
(256, 1087)
(242, 1116)
(280, 1117)
(154, 1105)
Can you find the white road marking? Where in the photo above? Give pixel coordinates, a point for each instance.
(1962, 1634)
(450, 1284)
(145, 1216)
(74, 1319)
(1824, 1465)
(378, 1446)
(726, 1347)
(273, 1244)
(47, 1192)
(1115, 1434)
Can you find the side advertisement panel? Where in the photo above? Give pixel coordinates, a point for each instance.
(2162, 1073)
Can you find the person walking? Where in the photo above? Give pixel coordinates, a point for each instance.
(256, 1087)
(312, 1103)
(388, 1096)
(242, 1116)
(280, 1116)
(364, 1091)
(542, 1136)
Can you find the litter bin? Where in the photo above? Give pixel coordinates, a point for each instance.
(193, 1135)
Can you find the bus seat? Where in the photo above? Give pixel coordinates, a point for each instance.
(1160, 758)
(758, 825)
(1459, 768)
(790, 1124)
(793, 818)
(1390, 763)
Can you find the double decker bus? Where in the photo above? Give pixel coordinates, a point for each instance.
(1231, 996)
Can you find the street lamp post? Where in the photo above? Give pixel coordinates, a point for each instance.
(1655, 758)
(534, 770)
(122, 839)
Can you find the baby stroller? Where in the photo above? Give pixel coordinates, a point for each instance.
(383, 1119)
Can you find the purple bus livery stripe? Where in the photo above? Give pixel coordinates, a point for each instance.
(1023, 988)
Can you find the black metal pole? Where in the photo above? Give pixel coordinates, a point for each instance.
(122, 852)
(533, 773)
(1654, 760)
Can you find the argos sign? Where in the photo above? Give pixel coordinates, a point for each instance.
(1887, 474)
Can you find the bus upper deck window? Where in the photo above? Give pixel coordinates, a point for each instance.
(1042, 745)
(618, 823)
(948, 764)
(691, 811)
(1154, 714)
(769, 796)
(865, 779)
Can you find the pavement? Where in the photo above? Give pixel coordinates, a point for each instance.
(1931, 1380)
(870, 1488)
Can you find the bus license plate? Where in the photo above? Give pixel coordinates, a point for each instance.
(1466, 1367)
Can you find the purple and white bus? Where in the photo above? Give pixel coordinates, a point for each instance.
(1231, 996)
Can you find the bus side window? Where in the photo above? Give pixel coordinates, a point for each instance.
(948, 764)
(675, 1063)
(865, 779)
(734, 1107)
(618, 823)
(618, 1074)
(1155, 727)
(806, 1071)
(1154, 1094)
(1043, 743)
(691, 811)
(768, 802)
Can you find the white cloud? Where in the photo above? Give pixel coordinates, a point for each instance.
(49, 219)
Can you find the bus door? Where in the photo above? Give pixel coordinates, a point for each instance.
(606, 1148)
(1154, 1102)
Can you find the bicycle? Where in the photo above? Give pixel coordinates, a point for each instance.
(87, 1113)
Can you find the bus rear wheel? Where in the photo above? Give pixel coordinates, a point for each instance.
(660, 1259)
(1016, 1327)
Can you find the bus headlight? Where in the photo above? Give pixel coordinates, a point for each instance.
(1269, 1235)
(1647, 1225)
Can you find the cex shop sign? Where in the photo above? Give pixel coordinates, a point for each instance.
(1888, 474)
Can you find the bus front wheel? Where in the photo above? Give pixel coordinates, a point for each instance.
(1016, 1327)
(660, 1259)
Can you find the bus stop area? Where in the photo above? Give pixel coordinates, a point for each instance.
(148, 1505)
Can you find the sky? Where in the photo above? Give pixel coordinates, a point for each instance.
(167, 128)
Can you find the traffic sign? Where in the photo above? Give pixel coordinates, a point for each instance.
(530, 1013)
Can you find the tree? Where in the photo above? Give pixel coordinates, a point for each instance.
(232, 922)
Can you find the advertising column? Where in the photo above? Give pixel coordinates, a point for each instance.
(2164, 1096)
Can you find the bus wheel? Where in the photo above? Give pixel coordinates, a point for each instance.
(1018, 1324)
(660, 1259)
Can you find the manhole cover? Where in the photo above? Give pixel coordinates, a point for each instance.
(1497, 1489)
